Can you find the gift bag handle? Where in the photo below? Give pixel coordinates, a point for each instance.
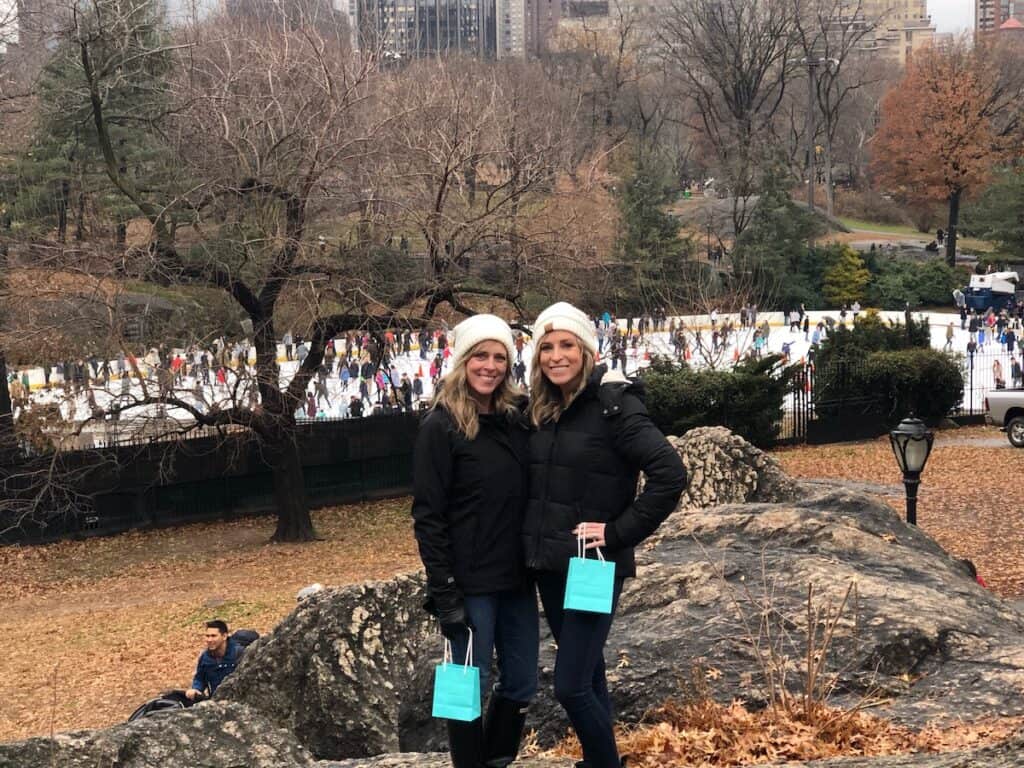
(447, 659)
(581, 541)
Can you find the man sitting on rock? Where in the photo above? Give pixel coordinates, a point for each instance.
(219, 660)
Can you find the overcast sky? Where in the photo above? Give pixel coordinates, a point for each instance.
(952, 15)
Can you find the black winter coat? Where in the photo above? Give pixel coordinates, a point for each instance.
(468, 499)
(584, 468)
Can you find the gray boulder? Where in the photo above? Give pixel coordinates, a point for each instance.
(726, 588)
(722, 588)
(349, 671)
(723, 468)
(212, 735)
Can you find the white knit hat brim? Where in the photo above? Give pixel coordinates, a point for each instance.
(477, 328)
(563, 316)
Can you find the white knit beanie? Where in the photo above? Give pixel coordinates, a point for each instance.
(563, 316)
(477, 328)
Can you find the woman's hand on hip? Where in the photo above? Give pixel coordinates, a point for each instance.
(592, 533)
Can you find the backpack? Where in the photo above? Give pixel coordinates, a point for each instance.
(245, 637)
(168, 701)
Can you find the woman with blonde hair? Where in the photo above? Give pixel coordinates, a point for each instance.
(470, 485)
(592, 438)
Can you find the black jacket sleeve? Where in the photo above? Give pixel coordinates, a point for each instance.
(642, 445)
(432, 479)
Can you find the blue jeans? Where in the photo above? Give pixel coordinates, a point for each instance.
(580, 684)
(505, 622)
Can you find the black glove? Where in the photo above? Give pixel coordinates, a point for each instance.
(451, 612)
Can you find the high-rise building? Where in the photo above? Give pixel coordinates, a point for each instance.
(901, 28)
(511, 28)
(413, 28)
(990, 15)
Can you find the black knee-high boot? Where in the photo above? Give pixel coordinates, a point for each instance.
(466, 743)
(503, 731)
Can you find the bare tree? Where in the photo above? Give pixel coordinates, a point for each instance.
(732, 59)
(276, 160)
(835, 31)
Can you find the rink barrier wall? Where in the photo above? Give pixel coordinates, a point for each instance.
(163, 484)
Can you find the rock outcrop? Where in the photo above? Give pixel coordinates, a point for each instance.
(349, 671)
(722, 588)
(723, 468)
(212, 735)
(729, 590)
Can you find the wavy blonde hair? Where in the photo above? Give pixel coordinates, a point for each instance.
(452, 394)
(546, 401)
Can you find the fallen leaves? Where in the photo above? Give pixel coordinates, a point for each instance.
(705, 734)
(94, 628)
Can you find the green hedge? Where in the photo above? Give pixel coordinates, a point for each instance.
(925, 382)
(747, 399)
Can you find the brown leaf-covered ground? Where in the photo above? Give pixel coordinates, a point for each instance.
(971, 498)
(93, 628)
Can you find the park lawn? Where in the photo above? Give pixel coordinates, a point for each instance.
(965, 243)
(93, 628)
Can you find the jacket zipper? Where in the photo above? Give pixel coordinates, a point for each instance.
(535, 559)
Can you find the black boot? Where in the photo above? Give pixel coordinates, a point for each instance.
(503, 730)
(466, 743)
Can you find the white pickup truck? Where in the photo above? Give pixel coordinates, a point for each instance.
(1005, 408)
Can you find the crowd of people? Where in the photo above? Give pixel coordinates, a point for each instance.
(362, 374)
(995, 332)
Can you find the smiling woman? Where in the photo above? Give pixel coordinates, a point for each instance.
(470, 485)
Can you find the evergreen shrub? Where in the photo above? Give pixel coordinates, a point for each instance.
(747, 399)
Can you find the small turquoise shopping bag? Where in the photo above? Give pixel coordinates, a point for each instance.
(457, 686)
(591, 583)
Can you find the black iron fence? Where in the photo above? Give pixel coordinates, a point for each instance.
(166, 483)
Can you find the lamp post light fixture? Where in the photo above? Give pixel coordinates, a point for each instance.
(911, 443)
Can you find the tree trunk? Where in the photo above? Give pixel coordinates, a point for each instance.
(294, 523)
(8, 440)
(62, 210)
(830, 193)
(954, 219)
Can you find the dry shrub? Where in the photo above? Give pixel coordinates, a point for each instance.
(705, 734)
(868, 206)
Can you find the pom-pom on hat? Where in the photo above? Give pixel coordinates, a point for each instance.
(563, 316)
(477, 328)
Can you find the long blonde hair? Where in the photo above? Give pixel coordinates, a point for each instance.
(452, 394)
(546, 401)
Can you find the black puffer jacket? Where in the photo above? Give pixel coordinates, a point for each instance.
(585, 467)
(468, 500)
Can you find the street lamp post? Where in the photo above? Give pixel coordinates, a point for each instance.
(812, 63)
(911, 443)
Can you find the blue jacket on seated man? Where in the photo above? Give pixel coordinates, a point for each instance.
(219, 660)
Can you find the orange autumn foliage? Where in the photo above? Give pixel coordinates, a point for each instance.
(937, 136)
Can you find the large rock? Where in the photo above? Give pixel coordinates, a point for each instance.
(723, 468)
(349, 671)
(724, 588)
(212, 735)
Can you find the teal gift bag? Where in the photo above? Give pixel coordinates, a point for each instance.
(457, 686)
(591, 583)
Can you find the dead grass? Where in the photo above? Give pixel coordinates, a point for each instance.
(120, 618)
